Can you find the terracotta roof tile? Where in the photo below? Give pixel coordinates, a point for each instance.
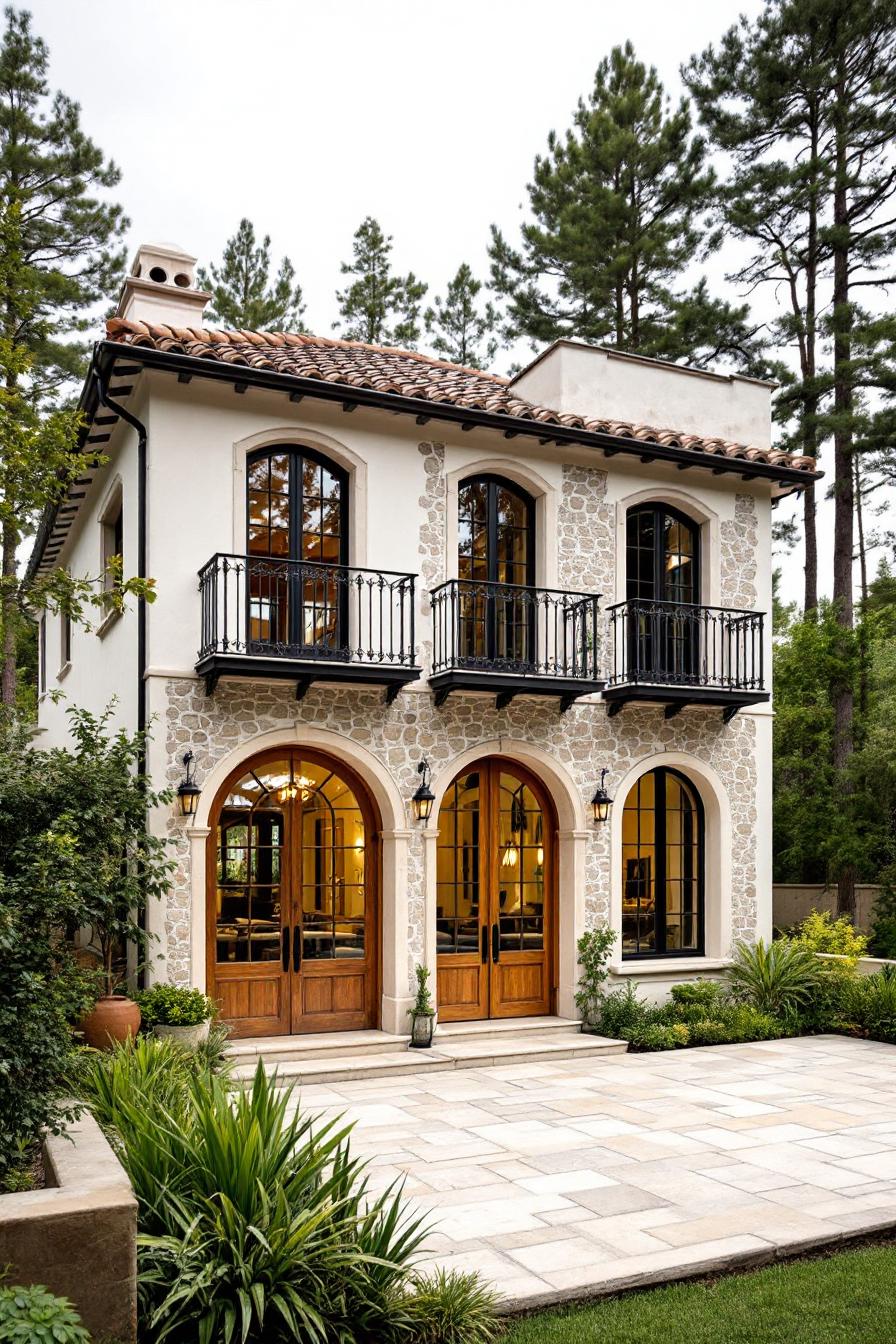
(408, 373)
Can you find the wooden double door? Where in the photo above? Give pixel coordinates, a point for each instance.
(495, 895)
(293, 936)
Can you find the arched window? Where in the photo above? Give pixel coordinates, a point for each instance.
(297, 516)
(662, 555)
(495, 557)
(662, 867)
(662, 590)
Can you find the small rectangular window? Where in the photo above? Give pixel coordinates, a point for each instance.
(113, 542)
(66, 638)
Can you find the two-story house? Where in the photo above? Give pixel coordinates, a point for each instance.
(367, 560)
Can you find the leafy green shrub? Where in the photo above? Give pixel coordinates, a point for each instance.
(73, 850)
(34, 1316)
(820, 932)
(873, 1007)
(659, 1037)
(451, 1308)
(778, 978)
(255, 1222)
(883, 937)
(831, 996)
(703, 994)
(621, 1013)
(173, 1006)
(593, 949)
(733, 1024)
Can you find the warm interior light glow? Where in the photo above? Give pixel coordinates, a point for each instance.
(510, 857)
(291, 789)
(539, 856)
(676, 561)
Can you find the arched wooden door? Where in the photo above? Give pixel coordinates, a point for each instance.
(495, 902)
(293, 935)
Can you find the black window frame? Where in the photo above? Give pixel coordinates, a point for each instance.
(494, 609)
(660, 512)
(298, 454)
(659, 848)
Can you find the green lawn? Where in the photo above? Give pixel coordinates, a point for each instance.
(850, 1297)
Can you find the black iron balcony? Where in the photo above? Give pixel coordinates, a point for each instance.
(513, 640)
(305, 622)
(678, 654)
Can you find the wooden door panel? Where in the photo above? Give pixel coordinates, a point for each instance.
(520, 989)
(253, 1005)
(334, 999)
(462, 991)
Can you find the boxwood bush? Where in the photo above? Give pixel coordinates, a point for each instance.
(174, 1006)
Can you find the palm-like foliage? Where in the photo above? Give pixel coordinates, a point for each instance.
(778, 978)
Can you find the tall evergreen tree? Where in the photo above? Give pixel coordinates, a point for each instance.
(378, 307)
(617, 205)
(769, 122)
(459, 330)
(59, 255)
(243, 295)
(841, 55)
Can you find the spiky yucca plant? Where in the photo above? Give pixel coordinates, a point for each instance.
(778, 978)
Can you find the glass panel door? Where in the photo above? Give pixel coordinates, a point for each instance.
(495, 566)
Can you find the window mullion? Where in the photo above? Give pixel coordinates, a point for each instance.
(659, 830)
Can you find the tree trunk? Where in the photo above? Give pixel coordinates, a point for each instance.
(810, 400)
(844, 494)
(810, 546)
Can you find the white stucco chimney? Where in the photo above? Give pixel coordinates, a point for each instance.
(600, 383)
(160, 288)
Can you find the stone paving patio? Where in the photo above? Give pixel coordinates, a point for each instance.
(563, 1179)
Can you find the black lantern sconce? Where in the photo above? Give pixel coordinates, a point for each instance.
(189, 792)
(601, 802)
(424, 798)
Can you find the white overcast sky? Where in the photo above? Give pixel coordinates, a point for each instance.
(307, 115)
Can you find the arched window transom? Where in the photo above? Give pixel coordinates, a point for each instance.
(662, 867)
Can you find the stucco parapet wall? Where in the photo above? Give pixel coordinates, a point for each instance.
(78, 1236)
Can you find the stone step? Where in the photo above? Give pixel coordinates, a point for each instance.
(316, 1045)
(499, 1028)
(518, 1048)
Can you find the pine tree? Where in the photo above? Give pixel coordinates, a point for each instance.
(59, 256)
(243, 296)
(759, 114)
(456, 325)
(617, 205)
(378, 307)
(841, 56)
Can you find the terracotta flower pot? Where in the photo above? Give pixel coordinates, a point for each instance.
(114, 1019)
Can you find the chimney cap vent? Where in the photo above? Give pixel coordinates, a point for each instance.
(161, 287)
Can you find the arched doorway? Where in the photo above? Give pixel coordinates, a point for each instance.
(662, 867)
(495, 902)
(292, 909)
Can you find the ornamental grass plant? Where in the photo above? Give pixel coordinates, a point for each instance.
(255, 1221)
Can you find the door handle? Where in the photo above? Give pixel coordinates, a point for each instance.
(484, 944)
(496, 944)
(284, 948)
(297, 948)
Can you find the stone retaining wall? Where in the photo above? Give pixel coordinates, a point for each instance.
(78, 1237)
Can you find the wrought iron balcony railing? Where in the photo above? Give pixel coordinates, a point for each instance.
(679, 644)
(302, 612)
(515, 632)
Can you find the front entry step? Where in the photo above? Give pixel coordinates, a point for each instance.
(331, 1059)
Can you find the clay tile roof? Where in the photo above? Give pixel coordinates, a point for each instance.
(407, 373)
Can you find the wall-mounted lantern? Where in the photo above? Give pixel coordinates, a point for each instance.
(189, 792)
(424, 798)
(601, 802)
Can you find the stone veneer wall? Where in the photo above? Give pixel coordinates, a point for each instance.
(582, 740)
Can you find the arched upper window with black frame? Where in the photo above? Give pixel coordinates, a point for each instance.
(662, 593)
(662, 867)
(297, 540)
(496, 570)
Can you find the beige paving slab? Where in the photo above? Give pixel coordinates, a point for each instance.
(569, 1177)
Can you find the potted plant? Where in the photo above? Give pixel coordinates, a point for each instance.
(422, 1012)
(183, 1015)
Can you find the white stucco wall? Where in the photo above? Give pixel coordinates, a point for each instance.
(403, 496)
